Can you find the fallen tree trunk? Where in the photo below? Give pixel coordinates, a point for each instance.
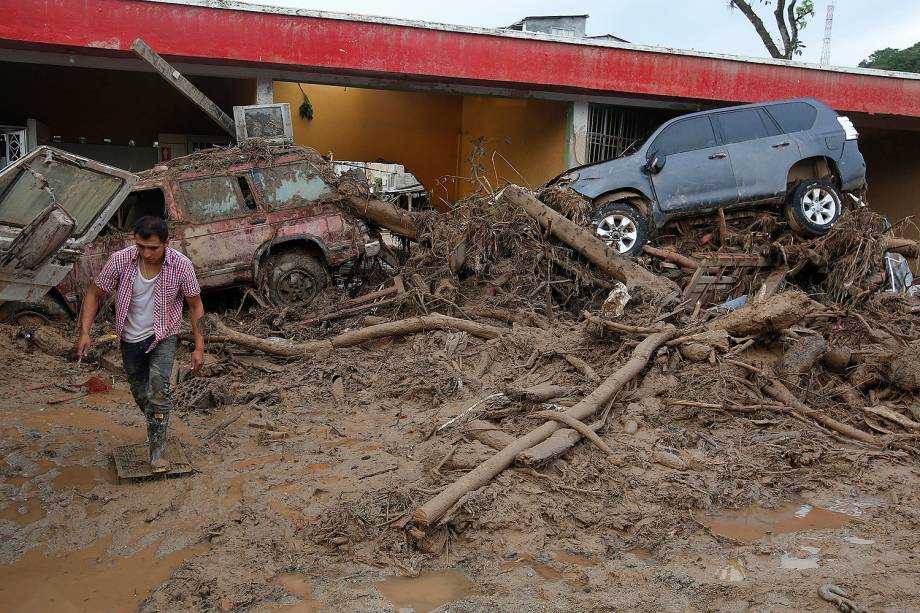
(772, 315)
(383, 214)
(554, 447)
(893, 416)
(434, 321)
(779, 392)
(438, 506)
(579, 427)
(670, 256)
(507, 316)
(905, 246)
(488, 434)
(588, 245)
(538, 393)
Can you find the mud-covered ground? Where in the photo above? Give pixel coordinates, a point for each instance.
(760, 510)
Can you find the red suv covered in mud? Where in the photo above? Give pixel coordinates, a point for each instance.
(264, 216)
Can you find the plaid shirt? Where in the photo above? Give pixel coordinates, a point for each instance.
(175, 282)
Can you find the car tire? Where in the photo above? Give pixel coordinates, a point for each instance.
(813, 207)
(295, 278)
(622, 227)
(34, 313)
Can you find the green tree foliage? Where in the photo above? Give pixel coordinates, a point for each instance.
(791, 16)
(905, 60)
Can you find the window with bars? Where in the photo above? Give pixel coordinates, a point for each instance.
(612, 129)
(12, 145)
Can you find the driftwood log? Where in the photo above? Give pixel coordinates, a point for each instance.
(412, 325)
(437, 507)
(393, 218)
(579, 427)
(554, 447)
(781, 393)
(488, 434)
(670, 256)
(772, 315)
(588, 245)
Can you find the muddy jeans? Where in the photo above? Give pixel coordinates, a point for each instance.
(148, 375)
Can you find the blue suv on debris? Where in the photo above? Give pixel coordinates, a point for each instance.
(796, 153)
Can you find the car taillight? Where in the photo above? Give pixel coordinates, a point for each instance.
(847, 126)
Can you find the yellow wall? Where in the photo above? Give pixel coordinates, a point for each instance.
(431, 134)
(530, 136)
(417, 130)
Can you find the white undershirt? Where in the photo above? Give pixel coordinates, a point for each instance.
(139, 322)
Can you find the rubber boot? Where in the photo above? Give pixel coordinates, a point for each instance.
(157, 434)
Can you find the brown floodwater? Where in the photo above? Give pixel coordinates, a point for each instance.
(544, 570)
(428, 591)
(298, 585)
(34, 511)
(315, 467)
(87, 580)
(753, 523)
(234, 493)
(83, 478)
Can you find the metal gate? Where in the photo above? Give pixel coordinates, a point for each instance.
(612, 129)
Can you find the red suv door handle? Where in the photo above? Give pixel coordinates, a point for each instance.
(717, 156)
(255, 220)
(778, 145)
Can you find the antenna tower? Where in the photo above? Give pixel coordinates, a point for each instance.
(828, 24)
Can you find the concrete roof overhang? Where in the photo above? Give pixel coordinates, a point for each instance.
(225, 38)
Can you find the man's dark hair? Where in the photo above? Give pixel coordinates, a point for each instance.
(149, 226)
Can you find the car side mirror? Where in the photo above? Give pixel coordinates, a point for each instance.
(655, 163)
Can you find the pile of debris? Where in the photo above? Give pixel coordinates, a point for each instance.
(516, 383)
(840, 357)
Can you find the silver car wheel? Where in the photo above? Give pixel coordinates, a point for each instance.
(619, 231)
(819, 206)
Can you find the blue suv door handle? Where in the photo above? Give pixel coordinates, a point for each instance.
(778, 145)
(717, 156)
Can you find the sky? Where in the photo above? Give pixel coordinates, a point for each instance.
(860, 27)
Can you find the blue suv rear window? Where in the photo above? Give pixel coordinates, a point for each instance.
(794, 116)
(740, 126)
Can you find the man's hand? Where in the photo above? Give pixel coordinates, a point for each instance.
(196, 312)
(83, 343)
(197, 360)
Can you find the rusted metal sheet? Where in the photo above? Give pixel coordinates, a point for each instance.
(262, 37)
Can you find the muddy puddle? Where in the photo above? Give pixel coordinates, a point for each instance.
(426, 592)
(299, 586)
(753, 523)
(85, 580)
(23, 512)
(545, 571)
(83, 478)
(234, 493)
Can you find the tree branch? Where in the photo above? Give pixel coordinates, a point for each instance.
(745, 7)
(779, 15)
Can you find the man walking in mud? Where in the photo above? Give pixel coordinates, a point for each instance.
(151, 280)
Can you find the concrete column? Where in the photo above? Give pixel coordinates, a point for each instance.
(577, 150)
(265, 91)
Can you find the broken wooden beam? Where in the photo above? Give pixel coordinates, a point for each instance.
(184, 86)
